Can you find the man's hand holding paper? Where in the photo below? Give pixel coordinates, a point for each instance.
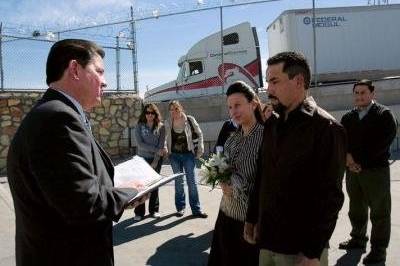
(137, 173)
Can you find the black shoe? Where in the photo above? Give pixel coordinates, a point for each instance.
(352, 244)
(137, 218)
(375, 256)
(200, 215)
(155, 215)
(180, 213)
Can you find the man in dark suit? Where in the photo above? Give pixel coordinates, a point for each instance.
(371, 128)
(60, 178)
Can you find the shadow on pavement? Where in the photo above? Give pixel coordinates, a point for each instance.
(183, 250)
(126, 231)
(351, 258)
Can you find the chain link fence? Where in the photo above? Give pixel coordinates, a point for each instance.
(163, 35)
(23, 59)
(162, 41)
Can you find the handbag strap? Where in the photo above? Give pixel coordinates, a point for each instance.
(194, 133)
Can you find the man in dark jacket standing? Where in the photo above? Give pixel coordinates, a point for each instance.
(298, 189)
(60, 178)
(371, 128)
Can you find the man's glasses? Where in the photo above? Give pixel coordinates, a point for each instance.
(150, 113)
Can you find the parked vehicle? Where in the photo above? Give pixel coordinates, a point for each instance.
(203, 71)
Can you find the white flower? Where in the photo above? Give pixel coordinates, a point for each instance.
(215, 170)
(223, 166)
(215, 161)
(204, 173)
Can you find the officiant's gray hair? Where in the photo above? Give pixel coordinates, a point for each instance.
(248, 92)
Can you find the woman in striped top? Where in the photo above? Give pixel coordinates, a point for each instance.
(228, 246)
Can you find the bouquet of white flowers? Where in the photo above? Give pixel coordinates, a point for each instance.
(215, 170)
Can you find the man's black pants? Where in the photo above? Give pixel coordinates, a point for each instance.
(370, 189)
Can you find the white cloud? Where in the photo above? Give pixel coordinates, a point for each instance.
(90, 4)
(63, 14)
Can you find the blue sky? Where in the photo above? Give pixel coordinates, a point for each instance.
(160, 42)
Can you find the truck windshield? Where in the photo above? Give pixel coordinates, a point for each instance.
(232, 38)
(181, 73)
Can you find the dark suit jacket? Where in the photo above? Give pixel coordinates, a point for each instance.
(61, 181)
(370, 138)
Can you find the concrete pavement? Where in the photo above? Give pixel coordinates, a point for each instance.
(185, 241)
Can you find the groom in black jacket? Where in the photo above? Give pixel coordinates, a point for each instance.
(60, 178)
(298, 189)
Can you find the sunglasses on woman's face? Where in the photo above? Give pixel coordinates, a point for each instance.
(150, 113)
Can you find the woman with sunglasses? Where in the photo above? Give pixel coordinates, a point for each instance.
(185, 144)
(150, 139)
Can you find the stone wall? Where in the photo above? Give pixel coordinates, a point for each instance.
(112, 122)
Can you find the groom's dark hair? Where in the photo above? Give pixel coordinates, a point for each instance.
(293, 64)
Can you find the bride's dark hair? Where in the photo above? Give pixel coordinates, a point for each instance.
(248, 92)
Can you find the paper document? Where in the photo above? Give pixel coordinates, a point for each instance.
(138, 169)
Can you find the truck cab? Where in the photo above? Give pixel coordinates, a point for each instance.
(203, 71)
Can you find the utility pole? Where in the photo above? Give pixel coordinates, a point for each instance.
(134, 53)
(1, 58)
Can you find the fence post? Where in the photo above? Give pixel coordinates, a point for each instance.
(222, 48)
(314, 47)
(117, 56)
(134, 53)
(1, 58)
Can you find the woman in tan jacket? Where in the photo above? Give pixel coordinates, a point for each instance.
(185, 144)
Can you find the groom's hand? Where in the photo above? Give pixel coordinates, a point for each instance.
(250, 233)
(304, 261)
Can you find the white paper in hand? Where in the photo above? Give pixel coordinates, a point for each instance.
(135, 169)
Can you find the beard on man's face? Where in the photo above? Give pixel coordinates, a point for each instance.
(276, 104)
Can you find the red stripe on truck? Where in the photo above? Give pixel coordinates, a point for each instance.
(251, 68)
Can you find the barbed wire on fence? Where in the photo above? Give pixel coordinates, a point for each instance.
(116, 36)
